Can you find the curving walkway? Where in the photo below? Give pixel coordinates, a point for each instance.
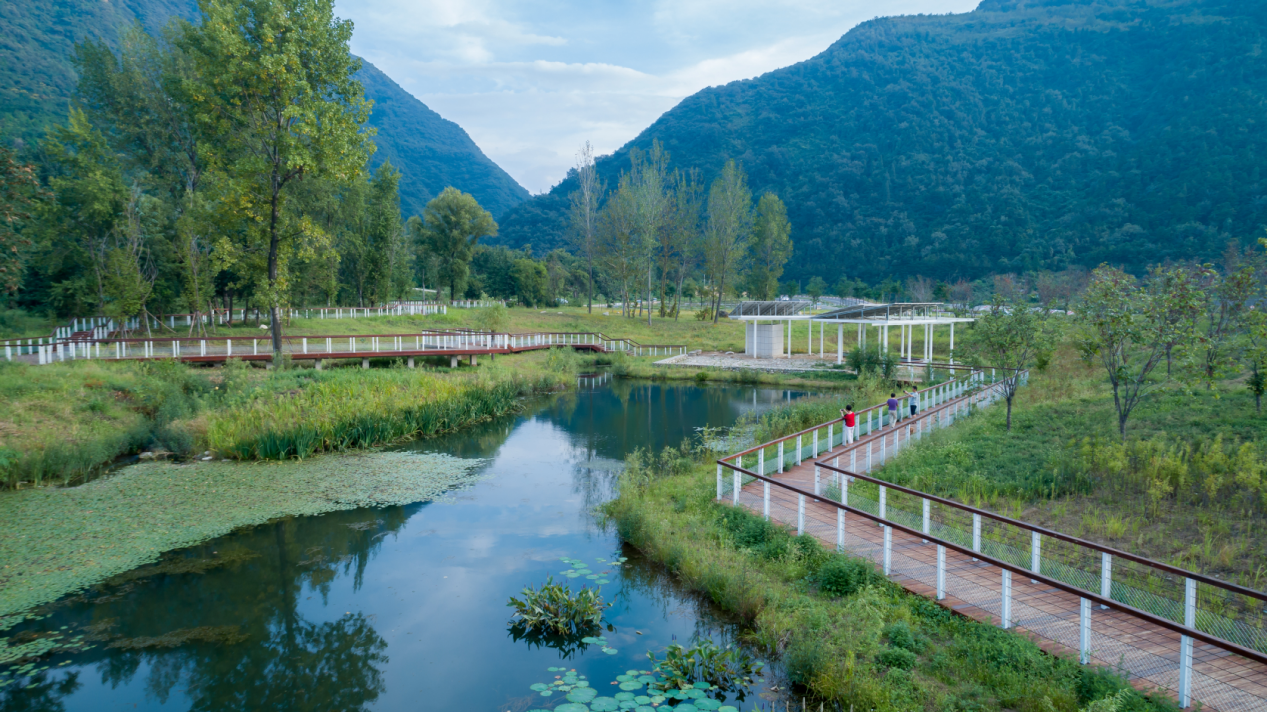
(808, 496)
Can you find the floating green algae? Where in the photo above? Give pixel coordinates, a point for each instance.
(58, 541)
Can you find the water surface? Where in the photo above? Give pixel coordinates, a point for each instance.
(401, 608)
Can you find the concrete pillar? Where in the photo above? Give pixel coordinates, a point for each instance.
(365, 363)
(453, 362)
(411, 361)
(320, 364)
(473, 359)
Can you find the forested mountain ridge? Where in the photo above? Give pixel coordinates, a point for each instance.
(431, 152)
(1020, 136)
(37, 81)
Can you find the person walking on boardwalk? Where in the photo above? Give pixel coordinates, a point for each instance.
(894, 413)
(851, 419)
(914, 401)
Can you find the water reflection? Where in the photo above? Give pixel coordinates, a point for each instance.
(395, 608)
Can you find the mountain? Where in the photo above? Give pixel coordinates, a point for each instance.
(431, 152)
(37, 80)
(1024, 135)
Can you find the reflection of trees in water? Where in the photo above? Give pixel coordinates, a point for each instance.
(287, 661)
(43, 693)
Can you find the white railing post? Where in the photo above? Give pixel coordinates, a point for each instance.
(738, 482)
(780, 457)
(976, 534)
(1005, 614)
(1035, 553)
(817, 481)
(719, 482)
(1084, 631)
(884, 504)
(815, 442)
(1106, 578)
(927, 516)
(800, 514)
(830, 437)
(888, 549)
(765, 499)
(840, 529)
(798, 449)
(1185, 642)
(941, 572)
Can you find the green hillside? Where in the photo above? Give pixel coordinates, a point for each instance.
(431, 152)
(1027, 134)
(37, 81)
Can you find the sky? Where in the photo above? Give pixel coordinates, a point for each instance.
(532, 80)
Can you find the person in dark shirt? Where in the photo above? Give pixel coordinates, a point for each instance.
(894, 414)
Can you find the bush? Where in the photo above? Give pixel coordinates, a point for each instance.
(899, 658)
(844, 576)
(901, 636)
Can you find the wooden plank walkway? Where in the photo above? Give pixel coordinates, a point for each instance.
(1148, 653)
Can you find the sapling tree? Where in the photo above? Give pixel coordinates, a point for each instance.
(1130, 325)
(815, 289)
(1009, 337)
(1255, 355)
(585, 200)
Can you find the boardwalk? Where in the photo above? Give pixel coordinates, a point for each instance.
(1045, 611)
(453, 344)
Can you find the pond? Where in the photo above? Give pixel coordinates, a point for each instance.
(402, 608)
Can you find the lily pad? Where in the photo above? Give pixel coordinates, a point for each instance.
(603, 580)
(609, 651)
(727, 708)
(604, 704)
(539, 686)
(582, 694)
(686, 707)
(706, 704)
(571, 707)
(622, 696)
(631, 685)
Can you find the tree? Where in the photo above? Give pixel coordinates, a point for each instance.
(531, 281)
(1225, 300)
(275, 88)
(19, 191)
(920, 289)
(769, 248)
(585, 202)
(816, 288)
(649, 182)
(1129, 326)
(1009, 337)
(1255, 355)
(451, 224)
(729, 226)
(684, 226)
(618, 239)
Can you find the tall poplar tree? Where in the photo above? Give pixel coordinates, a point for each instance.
(729, 226)
(585, 200)
(274, 86)
(769, 248)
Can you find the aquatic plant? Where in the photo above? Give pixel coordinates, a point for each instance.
(727, 668)
(553, 608)
(581, 696)
(58, 541)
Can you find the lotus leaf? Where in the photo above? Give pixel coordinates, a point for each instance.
(582, 694)
(706, 704)
(604, 704)
(539, 686)
(571, 707)
(631, 685)
(686, 707)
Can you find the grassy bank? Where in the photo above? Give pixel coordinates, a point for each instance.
(60, 540)
(843, 633)
(66, 421)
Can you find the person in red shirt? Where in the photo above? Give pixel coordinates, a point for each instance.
(851, 420)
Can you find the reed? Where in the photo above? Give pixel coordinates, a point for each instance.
(347, 410)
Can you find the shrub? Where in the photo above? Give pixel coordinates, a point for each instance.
(901, 636)
(899, 658)
(553, 608)
(844, 576)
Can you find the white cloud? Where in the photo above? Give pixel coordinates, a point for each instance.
(531, 80)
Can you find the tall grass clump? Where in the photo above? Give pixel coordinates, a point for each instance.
(805, 413)
(844, 633)
(351, 409)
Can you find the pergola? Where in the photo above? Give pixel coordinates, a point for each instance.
(905, 316)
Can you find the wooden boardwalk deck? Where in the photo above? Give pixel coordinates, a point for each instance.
(1148, 653)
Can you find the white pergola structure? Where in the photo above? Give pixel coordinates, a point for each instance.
(906, 317)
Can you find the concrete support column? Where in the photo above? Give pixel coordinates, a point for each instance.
(453, 362)
(365, 363)
(411, 361)
(473, 363)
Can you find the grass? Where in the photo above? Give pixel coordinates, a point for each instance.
(68, 421)
(844, 634)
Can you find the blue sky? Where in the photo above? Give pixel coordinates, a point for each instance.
(531, 80)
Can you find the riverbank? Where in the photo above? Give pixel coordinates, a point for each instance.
(61, 540)
(843, 632)
(67, 421)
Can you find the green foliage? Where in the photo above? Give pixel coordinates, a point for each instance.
(769, 248)
(554, 609)
(844, 577)
(728, 668)
(449, 229)
(872, 361)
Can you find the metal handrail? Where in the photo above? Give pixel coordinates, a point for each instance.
(1194, 633)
